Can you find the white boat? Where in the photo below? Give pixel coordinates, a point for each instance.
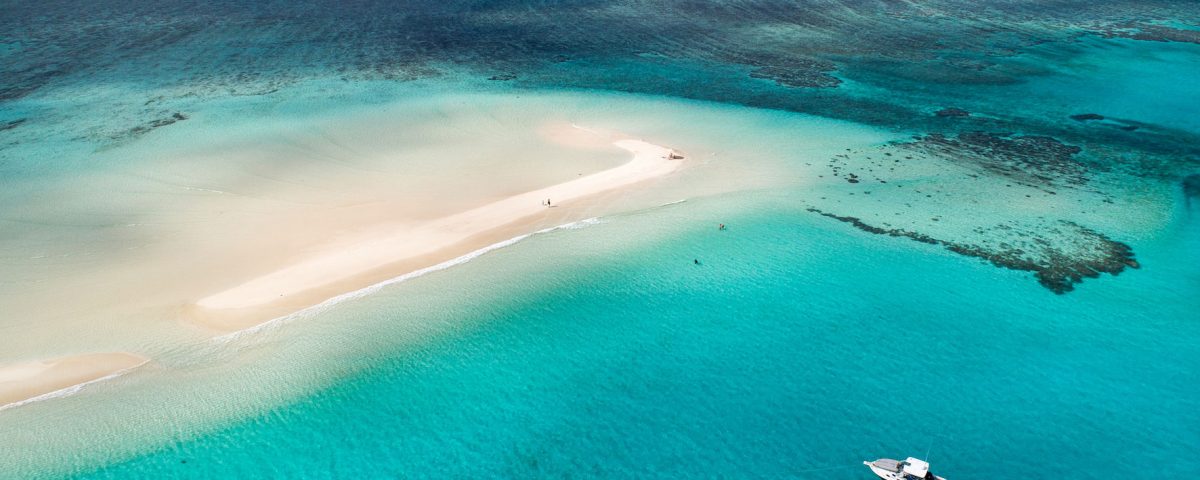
(909, 469)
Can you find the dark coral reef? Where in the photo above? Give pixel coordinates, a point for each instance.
(1054, 266)
(1028, 158)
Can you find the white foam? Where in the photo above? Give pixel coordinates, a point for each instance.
(585, 129)
(587, 222)
(202, 189)
(68, 391)
(325, 305)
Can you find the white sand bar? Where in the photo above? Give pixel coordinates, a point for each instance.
(24, 381)
(344, 261)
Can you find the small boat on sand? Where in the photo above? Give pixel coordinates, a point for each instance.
(909, 469)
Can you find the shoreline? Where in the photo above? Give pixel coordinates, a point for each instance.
(369, 289)
(351, 266)
(28, 382)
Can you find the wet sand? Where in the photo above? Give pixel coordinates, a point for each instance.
(395, 250)
(20, 382)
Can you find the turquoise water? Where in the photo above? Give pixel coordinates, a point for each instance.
(796, 349)
(1126, 80)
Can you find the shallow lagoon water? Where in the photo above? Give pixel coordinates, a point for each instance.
(797, 348)
(794, 349)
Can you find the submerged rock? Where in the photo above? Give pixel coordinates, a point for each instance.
(153, 124)
(789, 71)
(1191, 186)
(952, 112)
(799, 78)
(1151, 33)
(11, 124)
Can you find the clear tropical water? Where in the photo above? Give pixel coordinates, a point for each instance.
(793, 350)
(797, 347)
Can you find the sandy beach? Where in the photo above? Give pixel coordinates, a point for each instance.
(394, 250)
(23, 381)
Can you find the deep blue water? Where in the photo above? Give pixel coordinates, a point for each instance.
(884, 63)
